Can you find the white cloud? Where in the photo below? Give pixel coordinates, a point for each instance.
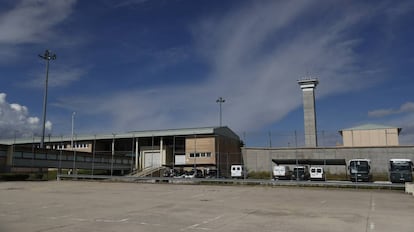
(406, 122)
(18, 108)
(402, 117)
(256, 53)
(33, 120)
(31, 21)
(15, 120)
(404, 108)
(2, 98)
(58, 77)
(407, 107)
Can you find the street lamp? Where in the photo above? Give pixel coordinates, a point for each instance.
(220, 100)
(47, 56)
(73, 125)
(113, 153)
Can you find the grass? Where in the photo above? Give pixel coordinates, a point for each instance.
(259, 175)
(13, 177)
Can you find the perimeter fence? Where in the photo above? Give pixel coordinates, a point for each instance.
(296, 138)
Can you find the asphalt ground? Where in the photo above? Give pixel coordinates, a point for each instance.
(108, 206)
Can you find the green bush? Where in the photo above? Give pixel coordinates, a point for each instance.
(13, 177)
(380, 177)
(259, 175)
(340, 177)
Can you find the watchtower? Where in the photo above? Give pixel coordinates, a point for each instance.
(308, 89)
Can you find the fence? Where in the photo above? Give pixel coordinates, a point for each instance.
(326, 138)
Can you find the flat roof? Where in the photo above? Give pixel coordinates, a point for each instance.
(310, 161)
(371, 127)
(223, 131)
(400, 160)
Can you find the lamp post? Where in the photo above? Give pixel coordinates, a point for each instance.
(73, 125)
(113, 153)
(47, 56)
(220, 100)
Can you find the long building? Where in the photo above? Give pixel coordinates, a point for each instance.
(205, 148)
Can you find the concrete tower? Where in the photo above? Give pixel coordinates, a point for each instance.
(308, 90)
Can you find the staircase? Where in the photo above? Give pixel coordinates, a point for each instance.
(156, 171)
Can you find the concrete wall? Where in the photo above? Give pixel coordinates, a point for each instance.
(259, 159)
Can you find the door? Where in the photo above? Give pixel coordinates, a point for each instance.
(179, 159)
(152, 159)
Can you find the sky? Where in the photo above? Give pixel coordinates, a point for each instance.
(138, 65)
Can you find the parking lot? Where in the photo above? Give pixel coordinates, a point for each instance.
(107, 206)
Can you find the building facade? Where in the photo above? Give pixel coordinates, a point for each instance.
(206, 148)
(370, 135)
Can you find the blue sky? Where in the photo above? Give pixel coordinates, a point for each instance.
(159, 64)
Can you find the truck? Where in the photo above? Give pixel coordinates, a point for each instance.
(281, 172)
(360, 170)
(300, 173)
(400, 170)
(317, 173)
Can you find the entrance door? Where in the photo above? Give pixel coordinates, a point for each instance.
(152, 159)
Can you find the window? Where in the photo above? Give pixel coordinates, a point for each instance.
(81, 145)
(200, 154)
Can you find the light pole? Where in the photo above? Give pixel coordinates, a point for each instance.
(113, 153)
(47, 56)
(74, 161)
(73, 125)
(220, 100)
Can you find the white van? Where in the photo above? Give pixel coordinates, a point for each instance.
(317, 173)
(281, 172)
(237, 171)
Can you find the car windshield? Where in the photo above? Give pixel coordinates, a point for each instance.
(299, 170)
(400, 166)
(359, 166)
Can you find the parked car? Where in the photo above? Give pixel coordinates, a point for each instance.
(317, 173)
(195, 173)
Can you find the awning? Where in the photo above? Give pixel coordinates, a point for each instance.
(310, 161)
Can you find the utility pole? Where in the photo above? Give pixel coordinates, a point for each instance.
(73, 125)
